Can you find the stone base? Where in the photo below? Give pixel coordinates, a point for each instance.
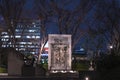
(64, 74)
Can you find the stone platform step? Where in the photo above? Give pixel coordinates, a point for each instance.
(64, 74)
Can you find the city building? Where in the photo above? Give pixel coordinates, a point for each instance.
(27, 37)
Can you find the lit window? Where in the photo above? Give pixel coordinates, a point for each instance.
(22, 42)
(33, 22)
(29, 43)
(6, 36)
(11, 46)
(17, 36)
(6, 39)
(33, 52)
(17, 30)
(4, 33)
(2, 40)
(31, 46)
(27, 36)
(34, 26)
(31, 30)
(11, 36)
(9, 43)
(16, 48)
(21, 46)
(33, 36)
(22, 49)
(37, 36)
(3, 45)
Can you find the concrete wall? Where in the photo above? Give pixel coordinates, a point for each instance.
(15, 64)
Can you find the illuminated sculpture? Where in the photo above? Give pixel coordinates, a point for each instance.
(59, 56)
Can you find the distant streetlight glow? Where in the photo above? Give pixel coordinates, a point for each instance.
(111, 47)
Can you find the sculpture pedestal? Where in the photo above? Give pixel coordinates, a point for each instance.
(59, 58)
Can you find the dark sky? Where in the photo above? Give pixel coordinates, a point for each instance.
(29, 4)
(29, 12)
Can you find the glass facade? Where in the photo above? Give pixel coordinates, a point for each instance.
(27, 37)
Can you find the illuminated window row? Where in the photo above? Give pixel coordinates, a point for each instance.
(4, 33)
(26, 45)
(7, 45)
(25, 42)
(4, 39)
(32, 36)
(18, 36)
(26, 30)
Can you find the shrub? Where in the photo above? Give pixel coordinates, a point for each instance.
(80, 66)
(3, 70)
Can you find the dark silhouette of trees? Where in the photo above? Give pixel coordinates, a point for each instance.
(68, 21)
(11, 12)
(106, 23)
(42, 10)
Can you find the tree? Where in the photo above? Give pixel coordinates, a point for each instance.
(11, 12)
(107, 23)
(42, 10)
(68, 21)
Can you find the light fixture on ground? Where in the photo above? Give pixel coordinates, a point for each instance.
(86, 78)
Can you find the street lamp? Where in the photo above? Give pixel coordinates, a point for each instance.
(111, 47)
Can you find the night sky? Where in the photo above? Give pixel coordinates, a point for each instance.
(29, 12)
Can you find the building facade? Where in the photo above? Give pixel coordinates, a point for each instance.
(27, 37)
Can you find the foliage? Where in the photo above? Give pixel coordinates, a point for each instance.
(106, 23)
(108, 67)
(3, 60)
(29, 56)
(3, 70)
(3, 56)
(67, 21)
(11, 12)
(80, 66)
(109, 62)
(45, 66)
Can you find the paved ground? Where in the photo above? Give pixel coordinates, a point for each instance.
(81, 76)
(6, 77)
(36, 78)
